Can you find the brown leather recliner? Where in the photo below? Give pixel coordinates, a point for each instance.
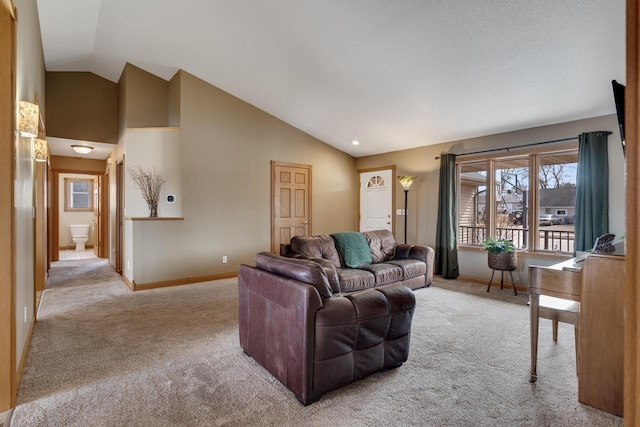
(311, 340)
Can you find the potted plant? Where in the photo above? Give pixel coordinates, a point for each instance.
(502, 254)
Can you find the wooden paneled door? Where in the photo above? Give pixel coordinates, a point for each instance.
(290, 201)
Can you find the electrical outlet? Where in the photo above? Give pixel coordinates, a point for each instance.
(224, 259)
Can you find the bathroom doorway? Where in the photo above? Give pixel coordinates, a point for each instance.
(76, 215)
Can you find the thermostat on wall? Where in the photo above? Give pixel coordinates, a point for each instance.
(171, 198)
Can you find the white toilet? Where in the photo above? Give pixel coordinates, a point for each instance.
(80, 235)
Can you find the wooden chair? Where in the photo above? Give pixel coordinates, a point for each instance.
(554, 293)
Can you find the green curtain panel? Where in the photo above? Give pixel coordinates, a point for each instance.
(446, 261)
(592, 192)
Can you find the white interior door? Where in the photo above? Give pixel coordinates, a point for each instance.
(376, 200)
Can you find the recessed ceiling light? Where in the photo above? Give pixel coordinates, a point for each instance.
(355, 142)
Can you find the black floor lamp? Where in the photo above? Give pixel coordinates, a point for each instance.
(406, 181)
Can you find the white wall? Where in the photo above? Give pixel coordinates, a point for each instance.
(153, 149)
(67, 218)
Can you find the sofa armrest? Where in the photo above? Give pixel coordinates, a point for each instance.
(276, 326)
(411, 252)
(421, 253)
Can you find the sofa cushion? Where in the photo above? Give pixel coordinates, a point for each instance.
(382, 244)
(303, 270)
(384, 272)
(353, 248)
(353, 279)
(410, 267)
(316, 247)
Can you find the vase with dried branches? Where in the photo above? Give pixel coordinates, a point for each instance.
(149, 183)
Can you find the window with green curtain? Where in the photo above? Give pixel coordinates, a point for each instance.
(592, 189)
(446, 257)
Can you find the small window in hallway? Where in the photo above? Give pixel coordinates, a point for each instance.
(78, 194)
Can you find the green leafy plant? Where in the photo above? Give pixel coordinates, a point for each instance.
(495, 246)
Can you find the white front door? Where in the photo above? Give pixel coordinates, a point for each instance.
(376, 200)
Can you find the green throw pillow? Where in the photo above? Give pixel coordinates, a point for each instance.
(353, 248)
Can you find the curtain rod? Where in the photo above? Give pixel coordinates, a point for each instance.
(521, 146)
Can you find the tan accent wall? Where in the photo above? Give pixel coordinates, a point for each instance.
(145, 97)
(62, 163)
(174, 100)
(82, 106)
(226, 149)
(122, 103)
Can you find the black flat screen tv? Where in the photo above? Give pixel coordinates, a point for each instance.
(618, 96)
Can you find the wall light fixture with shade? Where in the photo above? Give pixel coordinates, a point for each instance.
(406, 181)
(28, 118)
(40, 150)
(82, 149)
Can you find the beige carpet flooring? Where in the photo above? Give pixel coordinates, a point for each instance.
(104, 356)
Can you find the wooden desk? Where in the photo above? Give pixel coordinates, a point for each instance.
(597, 286)
(601, 342)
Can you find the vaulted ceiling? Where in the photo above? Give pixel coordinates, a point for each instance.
(392, 74)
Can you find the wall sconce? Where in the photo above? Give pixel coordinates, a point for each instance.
(28, 117)
(40, 150)
(82, 149)
(406, 181)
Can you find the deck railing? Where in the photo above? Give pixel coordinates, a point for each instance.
(549, 240)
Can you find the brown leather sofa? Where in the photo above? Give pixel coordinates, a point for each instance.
(392, 263)
(312, 340)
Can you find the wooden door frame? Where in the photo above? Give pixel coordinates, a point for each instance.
(275, 164)
(393, 193)
(8, 367)
(119, 243)
(41, 172)
(632, 259)
(54, 219)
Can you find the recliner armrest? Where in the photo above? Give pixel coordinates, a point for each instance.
(303, 270)
(276, 318)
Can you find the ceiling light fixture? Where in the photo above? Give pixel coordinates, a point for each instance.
(355, 142)
(82, 149)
